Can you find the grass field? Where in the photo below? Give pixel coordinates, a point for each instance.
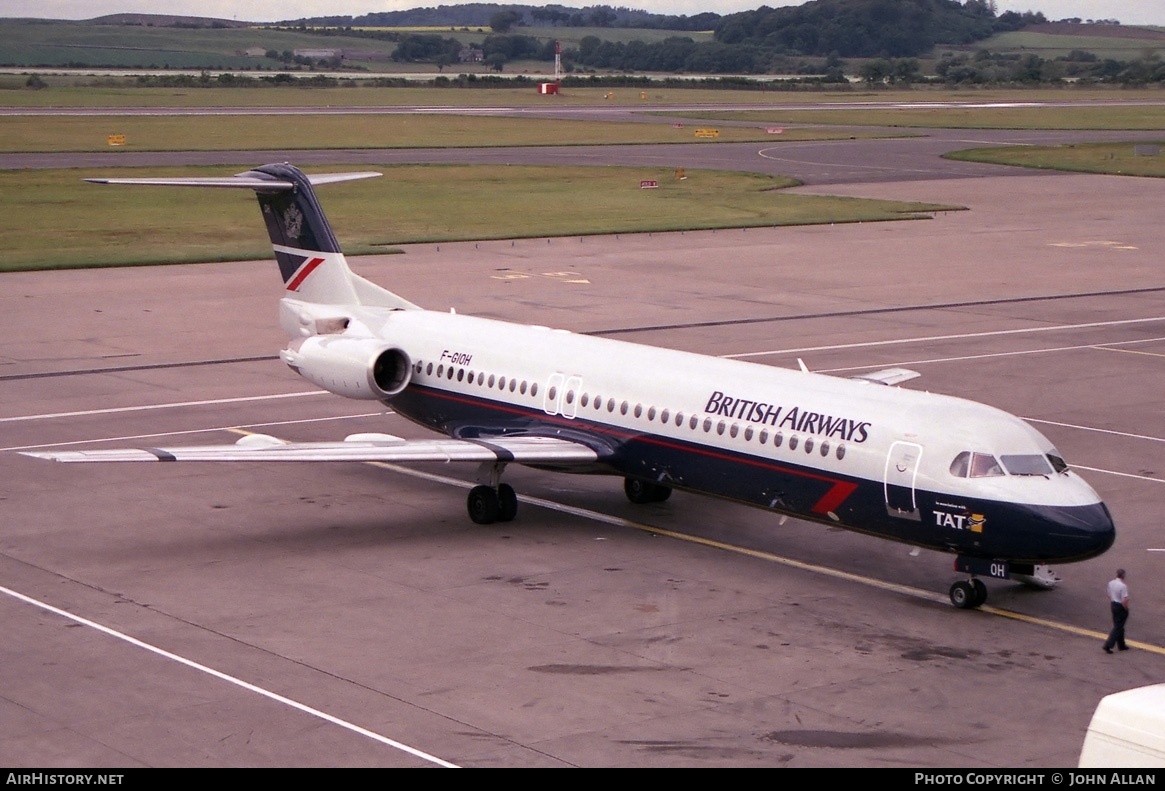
(87, 91)
(1049, 46)
(1113, 158)
(297, 132)
(1114, 117)
(569, 36)
(24, 43)
(53, 220)
(32, 44)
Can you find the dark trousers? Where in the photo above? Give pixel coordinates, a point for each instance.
(1117, 635)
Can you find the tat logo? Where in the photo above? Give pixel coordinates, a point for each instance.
(970, 522)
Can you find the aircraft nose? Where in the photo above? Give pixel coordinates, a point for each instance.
(1082, 531)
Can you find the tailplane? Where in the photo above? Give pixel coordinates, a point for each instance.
(310, 260)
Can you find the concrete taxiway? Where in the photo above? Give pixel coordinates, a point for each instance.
(343, 614)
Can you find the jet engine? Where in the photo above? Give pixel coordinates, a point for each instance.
(364, 368)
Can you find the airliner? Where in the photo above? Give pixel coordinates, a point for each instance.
(861, 453)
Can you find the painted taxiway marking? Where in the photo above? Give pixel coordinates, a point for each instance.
(1120, 474)
(955, 337)
(894, 587)
(1131, 351)
(991, 355)
(238, 682)
(1097, 430)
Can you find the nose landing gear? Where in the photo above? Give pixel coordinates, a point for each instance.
(639, 491)
(968, 594)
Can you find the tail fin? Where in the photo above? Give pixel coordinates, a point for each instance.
(310, 260)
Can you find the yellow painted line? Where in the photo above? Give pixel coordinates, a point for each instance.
(893, 587)
(1128, 351)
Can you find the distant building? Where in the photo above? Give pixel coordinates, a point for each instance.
(319, 54)
(471, 55)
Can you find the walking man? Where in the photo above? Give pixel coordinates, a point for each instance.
(1118, 596)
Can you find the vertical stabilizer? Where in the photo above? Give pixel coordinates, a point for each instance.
(309, 257)
(310, 261)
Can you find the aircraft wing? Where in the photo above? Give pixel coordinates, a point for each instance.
(889, 376)
(551, 451)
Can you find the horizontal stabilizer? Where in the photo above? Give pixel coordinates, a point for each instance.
(889, 376)
(252, 179)
(522, 450)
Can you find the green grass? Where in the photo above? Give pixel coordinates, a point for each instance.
(24, 43)
(1117, 117)
(91, 92)
(290, 132)
(569, 36)
(42, 43)
(1112, 158)
(1048, 45)
(53, 220)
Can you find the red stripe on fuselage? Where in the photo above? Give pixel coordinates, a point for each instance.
(302, 274)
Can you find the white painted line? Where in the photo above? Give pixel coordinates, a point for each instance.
(146, 407)
(1098, 430)
(1121, 474)
(959, 336)
(872, 582)
(962, 358)
(231, 680)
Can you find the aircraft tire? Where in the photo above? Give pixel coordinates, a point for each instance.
(483, 505)
(640, 492)
(507, 503)
(980, 592)
(963, 595)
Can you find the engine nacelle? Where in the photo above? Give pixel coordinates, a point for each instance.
(363, 368)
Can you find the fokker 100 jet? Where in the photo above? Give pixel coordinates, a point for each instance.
(928, 470)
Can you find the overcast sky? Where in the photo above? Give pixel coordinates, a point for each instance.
(1129, 12)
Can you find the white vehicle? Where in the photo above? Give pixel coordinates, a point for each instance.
(1127, 731)
(928, 470)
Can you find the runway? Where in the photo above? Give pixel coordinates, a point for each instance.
(350, 615)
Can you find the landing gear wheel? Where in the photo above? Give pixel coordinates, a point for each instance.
(507, 503)
(483, 505)
(964, 596)
(980, 592)
(640, 492)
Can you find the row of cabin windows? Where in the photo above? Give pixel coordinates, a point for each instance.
(461, 375)
(665, 416)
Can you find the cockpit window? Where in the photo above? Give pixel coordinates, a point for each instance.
(1033, 464)
(984, 465)
(961, 465)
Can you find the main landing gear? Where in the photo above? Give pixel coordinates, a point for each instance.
(640, 491)
(487, 505)
(493, 501)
